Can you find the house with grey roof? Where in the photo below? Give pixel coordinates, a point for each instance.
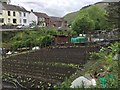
(14, 15)
(40, 19)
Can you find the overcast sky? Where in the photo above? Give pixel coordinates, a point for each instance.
(54, 7)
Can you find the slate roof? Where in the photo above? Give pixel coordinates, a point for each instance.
(13, 7)
(41, 14)
(57, 18)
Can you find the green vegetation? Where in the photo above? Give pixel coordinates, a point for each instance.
(37, 37)
(103, 16)
(71, 16)
(88, 20)
(83, 25)
(100, 60)
(97, 18)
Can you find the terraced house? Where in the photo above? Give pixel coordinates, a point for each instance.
(14, 15)
(40, 19)
(43, 20)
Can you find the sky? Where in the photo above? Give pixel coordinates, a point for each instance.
(57, 8)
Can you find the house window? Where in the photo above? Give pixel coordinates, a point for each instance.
(44, 24)
(14, 20)
(13, 13)
(1, 20)
(8, 13)
(24, 14)
(24, 21)
(8, 20)
(20, 14)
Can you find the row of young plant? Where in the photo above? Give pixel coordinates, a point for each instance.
(26, 82)
(107, 58)
(49, 71)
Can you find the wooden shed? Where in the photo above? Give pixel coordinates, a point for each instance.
(61, 39)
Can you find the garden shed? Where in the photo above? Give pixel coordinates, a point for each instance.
(61, 39)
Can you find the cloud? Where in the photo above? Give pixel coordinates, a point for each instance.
(54, 7)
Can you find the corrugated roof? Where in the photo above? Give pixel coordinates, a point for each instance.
(41, 14)
(13, 7)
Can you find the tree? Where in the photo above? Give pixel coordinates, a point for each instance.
(98, 15)
(83, 25)
(47, 40)
(94, 14)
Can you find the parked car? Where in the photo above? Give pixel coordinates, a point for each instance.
(19, 26)
(22, 26)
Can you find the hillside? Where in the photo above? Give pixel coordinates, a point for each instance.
(71, 16)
